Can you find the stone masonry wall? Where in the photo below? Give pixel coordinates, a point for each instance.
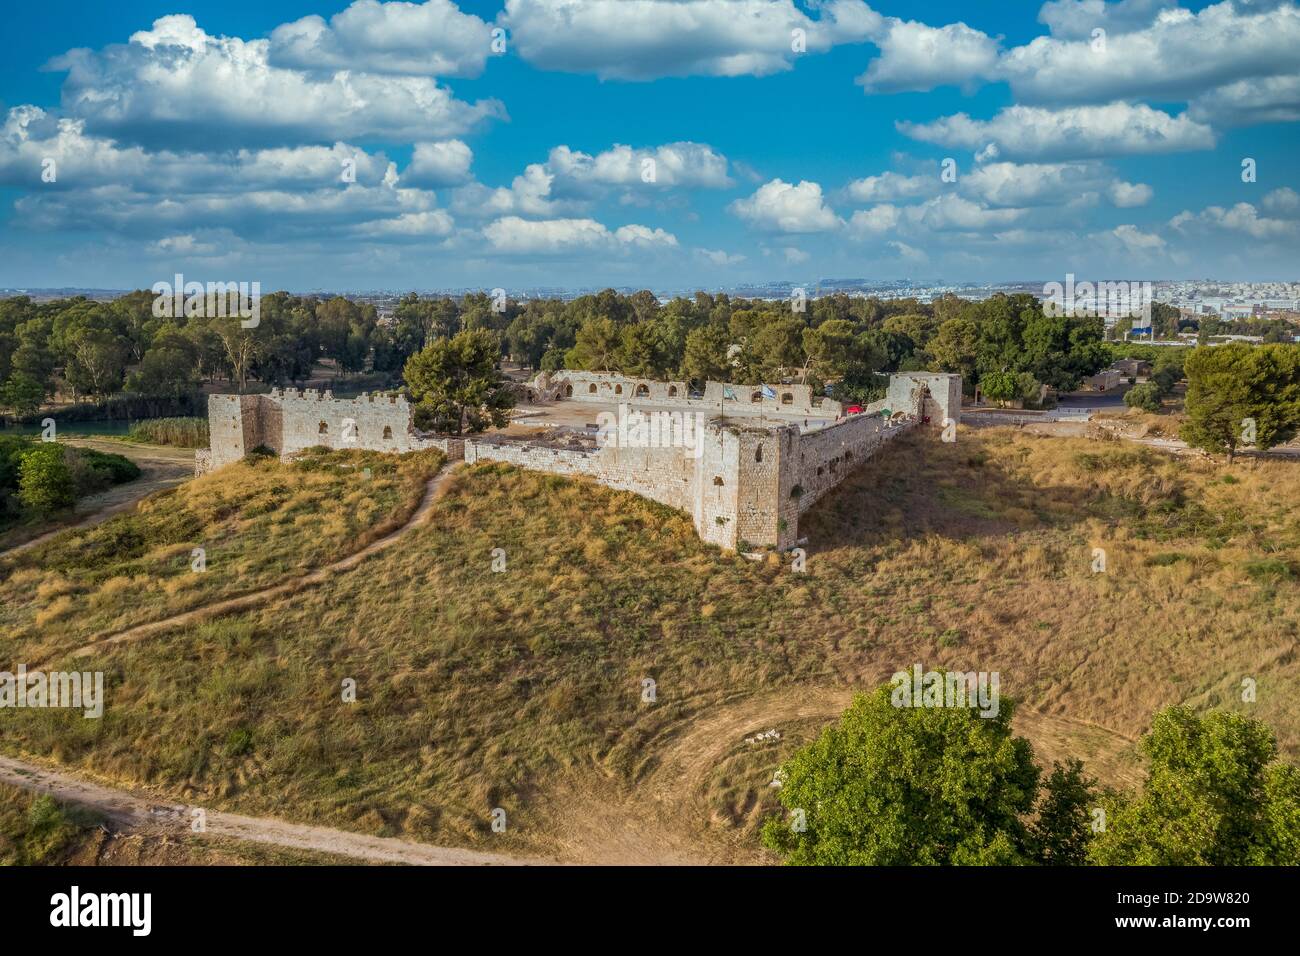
(826, 457)
(289, 421)
(666, 475)
(612, 388)
(943, 400)
(788, 399)
(762, 514)
(742, 482)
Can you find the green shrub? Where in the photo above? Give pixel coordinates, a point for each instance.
(1145, 397)
(45, 481)
(49, 831)
(1270, 569)
(12, 449)
(94, 471)
(239, 742)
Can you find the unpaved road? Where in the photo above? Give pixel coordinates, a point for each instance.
(253, 599)
(639, 827)
(160, 467)
(686, 760)
(133, 811)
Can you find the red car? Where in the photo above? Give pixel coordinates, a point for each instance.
(853, 410)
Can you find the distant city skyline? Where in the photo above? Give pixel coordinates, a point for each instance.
(1227, 298)
(662, 144)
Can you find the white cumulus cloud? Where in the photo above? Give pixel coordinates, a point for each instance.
(445, 163)
(514, 235)
(915, 56)
(1075, 132)
(426, 39)
(779, 206)
(1127, 195)
(647, 39)
(176, 83)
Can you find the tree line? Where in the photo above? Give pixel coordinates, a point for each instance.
(91, 349)
(841, 345)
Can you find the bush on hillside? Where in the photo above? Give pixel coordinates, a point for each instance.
(45, 482)
(1145, 397)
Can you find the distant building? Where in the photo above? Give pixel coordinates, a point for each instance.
(1133, 368)
(1104, 380)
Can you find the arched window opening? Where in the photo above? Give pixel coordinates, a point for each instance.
(323, 430)
(758, 453)
(787, 398)
(718, 481)
(388, 431)
(643, 391)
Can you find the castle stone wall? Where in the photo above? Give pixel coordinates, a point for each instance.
(666, 475)
(826, 457)
(742, 480)
(943, 399)
(288, 421)
(612, 388)
(786, 399)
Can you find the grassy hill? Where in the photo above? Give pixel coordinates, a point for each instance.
(524, 689)
(258, 521)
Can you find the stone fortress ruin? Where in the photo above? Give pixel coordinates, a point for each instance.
(744, 461)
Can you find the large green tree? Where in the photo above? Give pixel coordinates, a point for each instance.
(1061, 831)
(1214, 796)
(96, 361)
(892, 786)
(21, 394)
(1238, 389)
(598, 347)
(705, 358)
(456, 385)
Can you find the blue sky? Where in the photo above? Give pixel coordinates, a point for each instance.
(656, 143)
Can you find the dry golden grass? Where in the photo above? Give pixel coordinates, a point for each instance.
(522, 689)
(258, 521)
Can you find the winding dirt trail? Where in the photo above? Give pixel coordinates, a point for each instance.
(685, 761)
(253, 599)
(134, 811)
(641, 826)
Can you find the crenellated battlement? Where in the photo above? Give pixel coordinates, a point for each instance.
(754, 460)
(290, 420)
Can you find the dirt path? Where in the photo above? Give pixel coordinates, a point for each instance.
(285, 589)
(640, 827)
(136, 812)
(160, 468)
(683, 765)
